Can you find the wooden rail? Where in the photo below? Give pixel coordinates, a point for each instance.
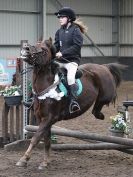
(85, 135)
(12, 123)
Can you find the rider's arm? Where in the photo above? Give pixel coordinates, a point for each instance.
(57, 43)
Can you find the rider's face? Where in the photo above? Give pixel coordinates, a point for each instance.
(63, 20)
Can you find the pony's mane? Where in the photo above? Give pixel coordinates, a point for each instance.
(49, 44)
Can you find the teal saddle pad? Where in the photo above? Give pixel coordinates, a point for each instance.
(64, 89)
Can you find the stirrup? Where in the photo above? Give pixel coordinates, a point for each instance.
(74, 107)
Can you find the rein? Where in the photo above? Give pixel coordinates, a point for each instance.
(55, 60)
(46, 90)
(26, 70)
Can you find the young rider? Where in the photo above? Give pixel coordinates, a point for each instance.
(68, 43)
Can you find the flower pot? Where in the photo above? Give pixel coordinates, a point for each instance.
(13, 100)
(117, 133)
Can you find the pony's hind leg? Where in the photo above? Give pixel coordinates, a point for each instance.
(96, 111)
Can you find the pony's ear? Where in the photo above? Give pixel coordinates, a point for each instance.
(50, 40)
(40, 39)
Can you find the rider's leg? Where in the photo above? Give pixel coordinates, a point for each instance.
(71, 72)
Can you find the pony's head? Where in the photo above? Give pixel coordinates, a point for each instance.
(38, 55)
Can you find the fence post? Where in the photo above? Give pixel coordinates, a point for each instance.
(12, 126)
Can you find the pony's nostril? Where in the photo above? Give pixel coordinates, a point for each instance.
(27, 48)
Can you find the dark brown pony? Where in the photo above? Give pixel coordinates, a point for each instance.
(99, 88)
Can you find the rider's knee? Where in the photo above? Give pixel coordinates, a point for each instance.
(71, 80)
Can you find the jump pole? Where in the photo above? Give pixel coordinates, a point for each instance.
(92, 146)
(76, 134)
(84, 135)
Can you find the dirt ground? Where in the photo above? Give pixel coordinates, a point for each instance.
(77, 163)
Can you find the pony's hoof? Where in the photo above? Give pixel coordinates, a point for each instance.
(99, 116)
(42, 166)
(21, 163)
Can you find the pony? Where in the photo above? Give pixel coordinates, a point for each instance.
(99, 83)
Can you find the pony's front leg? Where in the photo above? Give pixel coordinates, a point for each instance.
(35, 139)
(23, 161)
(47, 144)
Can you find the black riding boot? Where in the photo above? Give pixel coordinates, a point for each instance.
(74, 106)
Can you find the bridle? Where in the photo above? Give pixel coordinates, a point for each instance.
(36, 53)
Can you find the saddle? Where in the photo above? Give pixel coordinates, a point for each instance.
(63, 85)
(62, 72)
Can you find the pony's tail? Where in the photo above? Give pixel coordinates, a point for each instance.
(116, 71)
(81, 25)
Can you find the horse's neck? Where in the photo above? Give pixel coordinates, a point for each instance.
(42, 79)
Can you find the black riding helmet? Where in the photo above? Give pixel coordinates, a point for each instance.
(66, 12)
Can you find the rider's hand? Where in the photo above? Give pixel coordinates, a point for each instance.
(58, 55)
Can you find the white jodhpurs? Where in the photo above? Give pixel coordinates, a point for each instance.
(71, 71)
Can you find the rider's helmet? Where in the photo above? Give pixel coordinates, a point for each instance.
(66, 12)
